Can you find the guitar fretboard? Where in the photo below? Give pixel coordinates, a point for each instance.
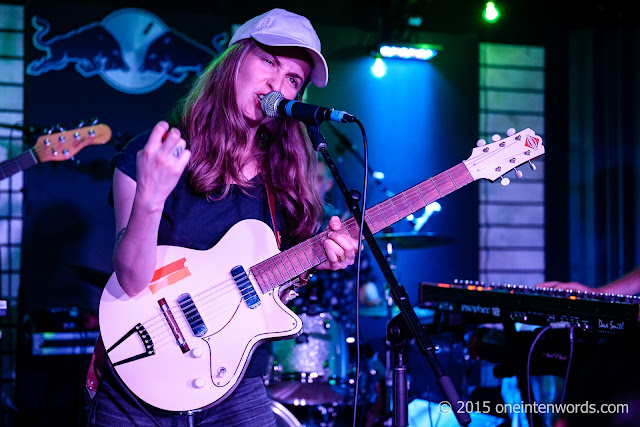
(19, 163)
(287, 265)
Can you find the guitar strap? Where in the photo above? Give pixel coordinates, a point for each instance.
(95, 367)
(302, 279)
(272, 209)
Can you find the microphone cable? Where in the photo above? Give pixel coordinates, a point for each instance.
(357, 287)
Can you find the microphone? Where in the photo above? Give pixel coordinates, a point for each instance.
(275, 105)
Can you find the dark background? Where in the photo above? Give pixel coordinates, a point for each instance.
(421, 119)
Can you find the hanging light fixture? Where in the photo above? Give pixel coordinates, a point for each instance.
(421, 51)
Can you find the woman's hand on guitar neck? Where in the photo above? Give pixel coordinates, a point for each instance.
(340, 247)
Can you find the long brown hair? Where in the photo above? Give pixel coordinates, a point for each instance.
(217, 135)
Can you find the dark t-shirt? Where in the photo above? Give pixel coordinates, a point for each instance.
(190, 220)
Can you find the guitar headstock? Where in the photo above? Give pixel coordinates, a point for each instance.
(492, 161)
(61, 146)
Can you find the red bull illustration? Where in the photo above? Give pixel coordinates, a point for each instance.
(132, 50)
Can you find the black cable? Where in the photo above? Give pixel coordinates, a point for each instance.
(566, 375)
(357, 287)
(531, 399)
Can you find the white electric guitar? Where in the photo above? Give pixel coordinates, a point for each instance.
(184, 342)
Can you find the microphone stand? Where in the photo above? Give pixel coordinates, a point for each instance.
(25, 129)
(406, 324)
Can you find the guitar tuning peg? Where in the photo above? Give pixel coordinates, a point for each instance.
(533, 167)
(504, 181)
(80, 124)
(95, 121)
(495, 137)
(60, 128)
(481, 142)
(518, 173)
(49, 131)
(510, 131)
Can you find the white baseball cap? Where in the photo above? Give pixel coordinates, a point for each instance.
(279, 27)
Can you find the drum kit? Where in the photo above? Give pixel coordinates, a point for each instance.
(310, 379)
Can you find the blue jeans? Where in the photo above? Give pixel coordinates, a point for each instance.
(248, 406)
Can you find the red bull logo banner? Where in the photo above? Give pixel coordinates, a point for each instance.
(131, 49)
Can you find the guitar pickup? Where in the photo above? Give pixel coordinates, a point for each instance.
(192, 315)
(244, 285)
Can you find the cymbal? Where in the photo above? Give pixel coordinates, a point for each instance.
(412, 240)
(312, 394)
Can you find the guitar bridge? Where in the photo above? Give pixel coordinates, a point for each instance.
(244, 285)
(173, 325)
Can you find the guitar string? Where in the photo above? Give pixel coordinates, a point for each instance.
(217, 291)
(191, 308)
(207, 307)
(218, 294)
(279, 277)
(225, 287)
(492, 166)
(167, 339)
(163, 334)
(163, 339)
(210, 291)
(187, 310)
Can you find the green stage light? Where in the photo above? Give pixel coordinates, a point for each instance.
(491, 12)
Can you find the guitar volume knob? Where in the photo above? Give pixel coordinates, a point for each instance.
(196, 353)
(198, 383)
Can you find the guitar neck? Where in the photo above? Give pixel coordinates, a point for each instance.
(19, 163)
(289, 264)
